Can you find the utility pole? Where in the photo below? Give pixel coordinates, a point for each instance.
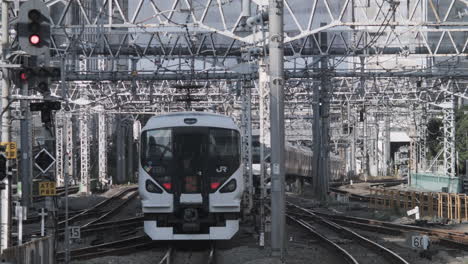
(386, 148)
(351, 149)
(85, 186)
(264, 143)
(276, 63)
(321, 127)
(26, 160)
(246, 118)
(5, 193)
(316, 134)
(365, 154)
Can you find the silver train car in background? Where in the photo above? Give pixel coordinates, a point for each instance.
(298, 162)
(190, 176)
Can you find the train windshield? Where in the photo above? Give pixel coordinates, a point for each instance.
(190, 154)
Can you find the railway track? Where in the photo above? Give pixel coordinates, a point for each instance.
(351, 246)
(447, 238)
(203, 256)
(140, 243)
(103, 210)
(120, 247)
(119, 225)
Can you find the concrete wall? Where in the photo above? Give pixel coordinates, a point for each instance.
(432, 182)
(40, 251)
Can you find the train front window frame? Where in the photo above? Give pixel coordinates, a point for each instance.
(157, 151)
(219, 152)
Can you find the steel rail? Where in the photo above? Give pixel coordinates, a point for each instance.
(211, 255)
(332, 245)
(167, 258)
(98, 206)
(111, 248)
(449, 238)
(112, 210)
(390, 255)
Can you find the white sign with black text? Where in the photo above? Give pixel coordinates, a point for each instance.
(75, 232)
(421, 242)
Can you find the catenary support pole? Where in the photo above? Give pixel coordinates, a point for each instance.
(67, 175)
(85, 186)
(316, 140)
(386, 148)
(102, 150)
(246, 8)
(26, 159)
(247, 144)
(5, 193)
(276, 64)
(264, 138)
(365, 158)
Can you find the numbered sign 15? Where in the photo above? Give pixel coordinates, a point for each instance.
(75, 232)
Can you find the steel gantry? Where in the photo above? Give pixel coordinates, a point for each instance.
(59, 148)
(69, 148)
(246, 128)
(264, 140)
(448, 109)
(85, 184)
(103, 177)
(128, 56)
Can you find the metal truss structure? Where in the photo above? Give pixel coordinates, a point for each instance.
(449, 136)
(59, 149)
(85, 186)
(209, 28)
(102, 149)
(127, 57)
(400, 63)
(69, 145)
(246, 128)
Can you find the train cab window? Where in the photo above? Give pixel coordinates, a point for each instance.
(224, 152)
(156, 152)
(190, 157)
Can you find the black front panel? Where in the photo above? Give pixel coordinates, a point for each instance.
(200, 226)
(190, 168)
(190, 160)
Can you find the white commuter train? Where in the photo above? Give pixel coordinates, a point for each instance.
(190, 176)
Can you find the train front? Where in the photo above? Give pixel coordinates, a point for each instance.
(190, 177)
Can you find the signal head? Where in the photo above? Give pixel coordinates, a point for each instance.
(34, 27)
(34, 15)
(34, 39)
(24, 76)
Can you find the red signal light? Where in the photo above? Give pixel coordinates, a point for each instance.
(167, 186)
(34, 39)
(23, 76)
(215, 185)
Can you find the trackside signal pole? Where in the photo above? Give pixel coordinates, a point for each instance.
(5, 193)
(276, 70)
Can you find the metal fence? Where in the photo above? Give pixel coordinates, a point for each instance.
(440, 205)
(39, 251)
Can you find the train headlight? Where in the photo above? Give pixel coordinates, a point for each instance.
(229, 187)
(152, 187)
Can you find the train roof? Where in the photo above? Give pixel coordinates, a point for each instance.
(203, 119)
